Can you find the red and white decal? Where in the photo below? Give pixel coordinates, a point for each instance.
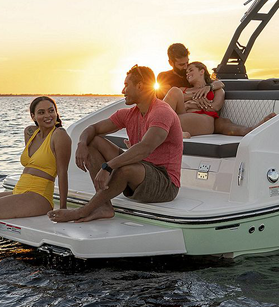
(9, 227)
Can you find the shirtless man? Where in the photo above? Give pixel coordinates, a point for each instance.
(149, 170)
(178, 56)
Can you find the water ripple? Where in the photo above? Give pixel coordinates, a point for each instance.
(30, 279)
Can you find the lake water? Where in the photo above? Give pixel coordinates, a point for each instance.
(28, 278)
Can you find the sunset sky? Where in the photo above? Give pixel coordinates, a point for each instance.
(86, 46)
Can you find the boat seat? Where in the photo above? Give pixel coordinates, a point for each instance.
(211, 145)
(246, 108)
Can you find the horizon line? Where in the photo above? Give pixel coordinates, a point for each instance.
(2, 95)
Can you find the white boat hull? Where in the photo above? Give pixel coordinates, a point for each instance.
(132, 236)
(111, 238)
(226, 205)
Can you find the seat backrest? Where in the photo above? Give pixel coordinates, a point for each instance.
(247, 112)
(248, 108)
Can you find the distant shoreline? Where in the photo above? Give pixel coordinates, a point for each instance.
(24, 95)
(66, 95)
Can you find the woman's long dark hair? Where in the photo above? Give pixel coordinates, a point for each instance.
(200, 66)
(35, 102)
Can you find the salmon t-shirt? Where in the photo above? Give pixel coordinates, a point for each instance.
(161, 115)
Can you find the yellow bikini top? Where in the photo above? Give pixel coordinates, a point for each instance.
(43, 158)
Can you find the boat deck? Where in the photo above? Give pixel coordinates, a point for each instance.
(107, 238)
(190, 204)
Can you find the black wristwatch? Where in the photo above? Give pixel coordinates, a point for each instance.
(106, 167)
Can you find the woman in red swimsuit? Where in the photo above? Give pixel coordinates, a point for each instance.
(196, 115)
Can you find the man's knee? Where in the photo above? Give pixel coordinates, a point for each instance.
(96, 142)
(98, 146)
(94, 152)
(105, 147)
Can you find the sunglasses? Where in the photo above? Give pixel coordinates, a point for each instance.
(138, 70)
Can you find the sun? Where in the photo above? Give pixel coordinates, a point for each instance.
(156, 86)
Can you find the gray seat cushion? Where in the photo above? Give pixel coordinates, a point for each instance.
(213, 145)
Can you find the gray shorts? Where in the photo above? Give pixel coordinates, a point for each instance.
(156, 187)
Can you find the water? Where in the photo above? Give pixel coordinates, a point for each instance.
(15, 117)
(29, 278)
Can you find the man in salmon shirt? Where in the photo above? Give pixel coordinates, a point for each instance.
(149, 170)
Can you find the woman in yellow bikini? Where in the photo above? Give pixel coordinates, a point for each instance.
(46, 155)
(196, 116)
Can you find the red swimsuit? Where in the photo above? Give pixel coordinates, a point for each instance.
(209, 96)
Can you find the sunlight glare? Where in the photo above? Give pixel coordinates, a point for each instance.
(156, 85)
(154, 57)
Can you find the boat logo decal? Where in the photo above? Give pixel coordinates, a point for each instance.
(8, 227)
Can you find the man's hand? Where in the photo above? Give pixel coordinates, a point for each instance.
(101, 180)
(201, 92)
(82, 154)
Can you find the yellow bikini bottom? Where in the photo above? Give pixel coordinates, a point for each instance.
(39, 185)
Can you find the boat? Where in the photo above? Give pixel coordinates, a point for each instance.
(228, 204)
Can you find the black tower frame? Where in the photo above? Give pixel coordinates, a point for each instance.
(232, 65)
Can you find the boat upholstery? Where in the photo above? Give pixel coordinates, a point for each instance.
(246, 108)
(212, 145)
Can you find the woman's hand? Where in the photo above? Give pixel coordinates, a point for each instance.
(190, 104)
(203, 103)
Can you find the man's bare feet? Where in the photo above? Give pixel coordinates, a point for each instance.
(76, 215)
(104, 212)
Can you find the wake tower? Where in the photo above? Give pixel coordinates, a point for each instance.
(232, 65)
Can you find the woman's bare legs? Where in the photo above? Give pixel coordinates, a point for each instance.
(227, 127)
(192, 123)
(22, 205)
(196, 124)
(175, 99)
